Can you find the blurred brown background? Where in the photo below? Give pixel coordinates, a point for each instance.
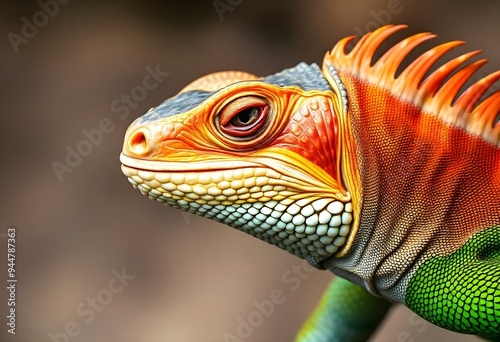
(193, 278)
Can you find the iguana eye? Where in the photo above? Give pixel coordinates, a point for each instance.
(243, 117)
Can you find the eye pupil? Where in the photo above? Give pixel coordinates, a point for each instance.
(245, 117)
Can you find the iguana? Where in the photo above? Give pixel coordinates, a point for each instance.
(388, 178)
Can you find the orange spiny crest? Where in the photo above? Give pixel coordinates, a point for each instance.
(439, 93)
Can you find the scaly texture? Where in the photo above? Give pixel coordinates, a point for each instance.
(460, 291)
(389, 182)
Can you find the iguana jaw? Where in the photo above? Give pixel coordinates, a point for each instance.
(304, 219)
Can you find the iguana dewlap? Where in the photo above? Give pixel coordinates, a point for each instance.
(392, 183)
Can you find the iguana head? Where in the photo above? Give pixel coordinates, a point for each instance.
(267, 156)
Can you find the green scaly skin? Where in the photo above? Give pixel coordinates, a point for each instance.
(461, 291)
(346, 312)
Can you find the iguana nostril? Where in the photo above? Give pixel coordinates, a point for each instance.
(138, 143)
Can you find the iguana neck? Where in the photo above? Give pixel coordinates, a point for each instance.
(412, 169)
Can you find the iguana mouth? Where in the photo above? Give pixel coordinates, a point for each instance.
(191, 166)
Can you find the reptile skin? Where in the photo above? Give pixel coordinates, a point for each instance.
(390, 182)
